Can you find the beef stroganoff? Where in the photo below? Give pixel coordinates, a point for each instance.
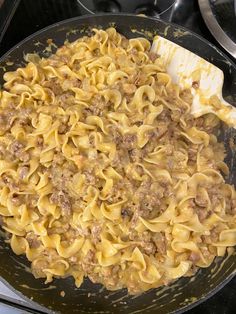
(105, 174)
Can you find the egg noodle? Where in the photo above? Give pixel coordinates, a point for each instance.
(104, 172)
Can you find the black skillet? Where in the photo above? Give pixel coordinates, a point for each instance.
(90, 298)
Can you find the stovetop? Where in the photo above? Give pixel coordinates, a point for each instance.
(33, 15)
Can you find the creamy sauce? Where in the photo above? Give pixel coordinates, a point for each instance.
(166, 30)
(51, 287)
(180, 33)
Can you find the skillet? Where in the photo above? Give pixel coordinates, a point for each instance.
(90, 298)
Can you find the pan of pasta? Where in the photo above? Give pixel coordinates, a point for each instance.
(113, 196)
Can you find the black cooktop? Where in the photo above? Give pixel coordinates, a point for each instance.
(20, 18)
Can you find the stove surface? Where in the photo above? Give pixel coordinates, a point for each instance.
(31, 16)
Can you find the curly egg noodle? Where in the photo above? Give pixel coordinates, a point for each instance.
(105, 174)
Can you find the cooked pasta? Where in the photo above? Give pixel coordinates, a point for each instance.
(104, 172)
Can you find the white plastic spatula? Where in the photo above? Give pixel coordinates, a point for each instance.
(203, 78)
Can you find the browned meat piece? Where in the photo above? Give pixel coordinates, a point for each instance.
(61, 174)
(160, 241)
(65, 204)
(24, 116)
(15, 147)
(129, 141)
(215, 234)
(59, 159)
(165, 115)
(83, 232)
(199, 123)
(152, 56)
(147, 241)
(17, 150)
(94, 277)
(97, 105)
(230, 205)
(33, 240)
(134, 51)
(150, 205)
(149, 200)
(40, 141)
(195, 84)
(160, 131)
(88, 262)
(54, 86)
(200, 201)
(76, 83)
(206, 253)
(216, 197)
(16, 200)
(117, 137)
(6, 121)
(90, 177)
(61, 199)
(192, 153)
(23, 171)
(201, 212)
(136, 155)
(206, 239)
(194, 257)
(10, 182)
(95, 232)
(136, 214)
(63, 128)
(149, 248)
(65, 99)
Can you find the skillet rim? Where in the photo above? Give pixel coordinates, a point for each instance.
(81, 17)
